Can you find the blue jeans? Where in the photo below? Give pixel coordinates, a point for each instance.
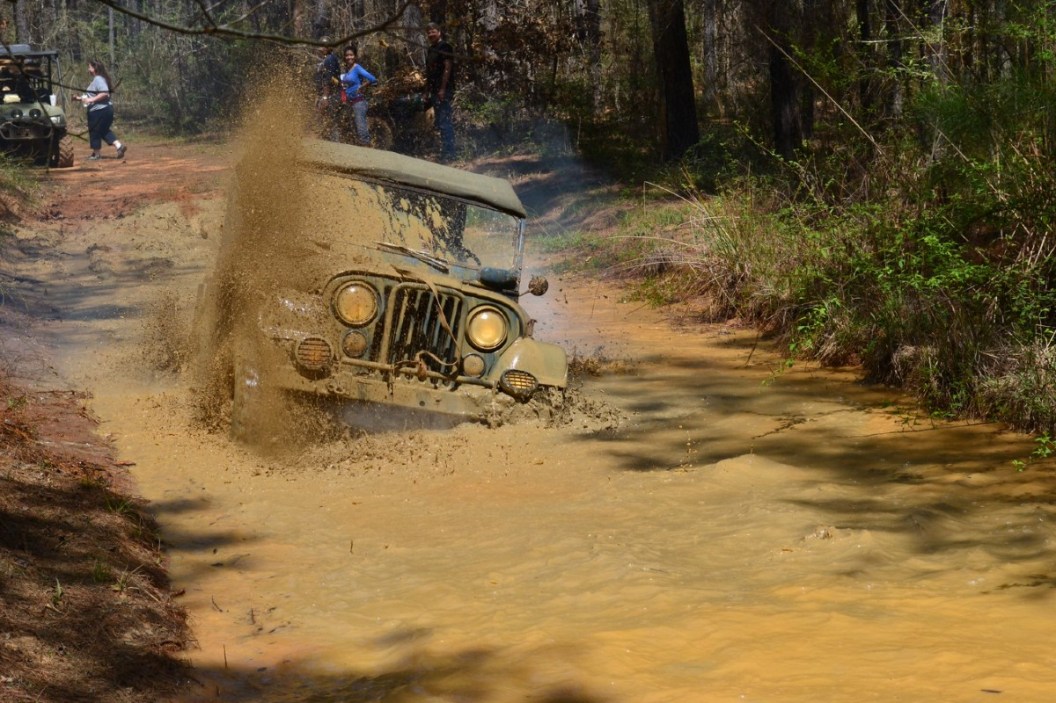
(442, 117)
(99, 122)
(359, 114)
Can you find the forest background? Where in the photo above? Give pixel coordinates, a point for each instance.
(870, 182)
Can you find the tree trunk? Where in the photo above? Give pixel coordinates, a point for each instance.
(810, 20)
(935, 51)
(710, 11)
(892, 13)
(865, 36)
(588, 31)
(300, 17)
(679, 128)
(784, 91)
(22, 31)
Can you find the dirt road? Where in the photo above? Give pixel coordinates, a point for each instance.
(718, 528)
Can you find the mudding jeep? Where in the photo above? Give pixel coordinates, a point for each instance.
(32, 124)
(398, 286)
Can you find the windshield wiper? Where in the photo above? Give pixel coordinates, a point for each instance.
(425, 257)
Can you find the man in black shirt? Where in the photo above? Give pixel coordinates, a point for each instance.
(440, 86)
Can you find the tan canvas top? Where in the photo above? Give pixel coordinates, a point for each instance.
(386, 166)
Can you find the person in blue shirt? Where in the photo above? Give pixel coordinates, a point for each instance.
(355, 81)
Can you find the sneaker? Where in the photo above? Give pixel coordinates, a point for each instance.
(94, 157)
(121, 151)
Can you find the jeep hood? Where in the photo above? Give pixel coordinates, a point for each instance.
(386, 166)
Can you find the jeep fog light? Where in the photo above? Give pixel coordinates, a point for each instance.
(354, 344)
(487, 329)
(356, 303)
(313, 353)
(520, 384)
(473, 365)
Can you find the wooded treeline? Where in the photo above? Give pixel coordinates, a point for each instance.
(664, 68)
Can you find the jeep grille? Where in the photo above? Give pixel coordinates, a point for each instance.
(417, 326)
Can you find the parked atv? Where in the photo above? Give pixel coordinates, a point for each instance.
(32, 124)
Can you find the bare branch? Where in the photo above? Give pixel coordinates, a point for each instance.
(212, 29)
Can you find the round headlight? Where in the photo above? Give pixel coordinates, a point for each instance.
(487, 329)
(35, 113)
(356, 304)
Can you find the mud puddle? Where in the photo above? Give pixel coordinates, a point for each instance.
(746, 532)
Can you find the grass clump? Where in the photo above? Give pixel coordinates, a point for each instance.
(18, 189)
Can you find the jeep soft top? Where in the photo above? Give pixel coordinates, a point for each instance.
(390, 167)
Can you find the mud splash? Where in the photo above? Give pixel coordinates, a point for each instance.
(265, 207)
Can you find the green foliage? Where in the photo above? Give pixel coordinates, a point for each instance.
(579, 251)
(725, 153)
(927, 257)
(187, 85)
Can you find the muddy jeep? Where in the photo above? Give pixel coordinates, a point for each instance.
(397, 285)
(32, 125)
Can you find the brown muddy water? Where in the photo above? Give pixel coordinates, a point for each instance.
(714, 527)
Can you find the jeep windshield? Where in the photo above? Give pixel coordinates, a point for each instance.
(372, 224)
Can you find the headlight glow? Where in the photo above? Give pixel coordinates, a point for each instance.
(356, 303)
(487, 328)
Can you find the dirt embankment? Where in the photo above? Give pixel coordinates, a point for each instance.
(86, 611)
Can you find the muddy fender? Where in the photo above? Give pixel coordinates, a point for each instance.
(547, 362)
